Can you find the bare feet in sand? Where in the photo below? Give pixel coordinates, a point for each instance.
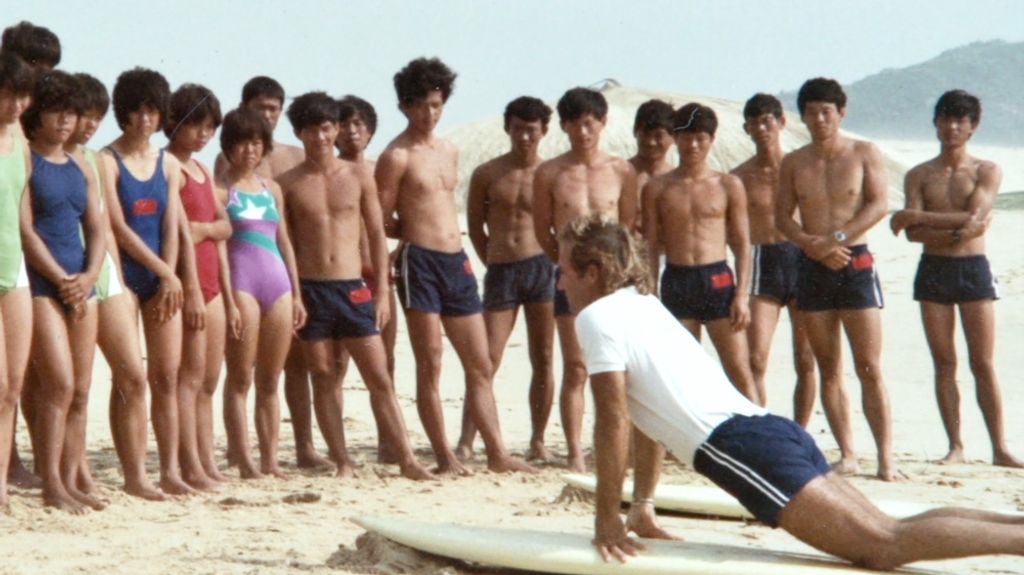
(248, 471)
(892, 474)
(387, 454)
(509, 464)
(846, 466)
(173, 485)
(63, 501)
(415, 471)
(539, 452)
(576, 462)
(464, 453)
(345, 471)
(955, 455)
(213, 473)
(202, 482)
(22, 478)
(145, 491)
(273, 471)
(452, 466)
(1006, 459)
(311, 460)
(87, 500)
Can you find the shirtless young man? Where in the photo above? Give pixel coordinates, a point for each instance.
(325, 198)
(582, 181)
(692, 214)
(266, 95)
(16, 84)
(774, 260)
(948, 207)
(839, 186)
(499, 215)
(648, 371)
(416, 176)
(652, 128)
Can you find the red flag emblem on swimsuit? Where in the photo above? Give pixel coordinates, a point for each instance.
(863, 261)
(721, 280)
(144, 207)
(360, 295)
(467, 266)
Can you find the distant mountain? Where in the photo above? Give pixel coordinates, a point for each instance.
(898, 103)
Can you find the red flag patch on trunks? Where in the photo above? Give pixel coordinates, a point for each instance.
(360, 295)
(862, 261)
(721, 280)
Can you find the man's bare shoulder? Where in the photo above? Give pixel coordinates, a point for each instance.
(554, 165)
(491, 169)
(987, 168)
(659, 183)
(746, 169)
(621, 165)
(288, 179)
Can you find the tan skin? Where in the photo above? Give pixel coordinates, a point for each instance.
(499, 218)
(828, 513)
(258, 345)
(205, 331)
(693, 213)
(839, 184)
(160, 315)
(947, 209)
(582, 181)
(118, 339)
(651, 160)
(65, 331)
(280, 159)
(16, 321)
(327, 198)
(416, 176)
(760, 176)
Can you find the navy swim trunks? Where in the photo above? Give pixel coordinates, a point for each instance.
(761, 460)
(953, 280)
(437, 282)
(854, 287)
(774, 271)
(703, 293)
(510, 284)
(562, 307)
(337, 309)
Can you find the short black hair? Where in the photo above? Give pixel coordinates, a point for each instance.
(312, 109)
(16, 76)
(140, 87)
(695, 118)
(422, 76)
(93, 96)
(760, 104)
(262, 86)
(653, 115)
(578, 102)
(958, 104)
(38, 46)
(191, 104)
(243, 124)
(820, 90)
(528, 109)
(54, 91)
(349, 106)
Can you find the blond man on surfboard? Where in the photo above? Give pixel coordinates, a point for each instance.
(645, 367)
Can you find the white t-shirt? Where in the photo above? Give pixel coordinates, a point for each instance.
(677, 393)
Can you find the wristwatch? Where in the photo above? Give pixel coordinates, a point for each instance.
(839, 235)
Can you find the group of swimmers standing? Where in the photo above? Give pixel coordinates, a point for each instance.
(277, 261)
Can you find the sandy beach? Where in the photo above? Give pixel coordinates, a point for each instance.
(301, 524)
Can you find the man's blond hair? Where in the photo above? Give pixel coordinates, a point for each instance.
(609, 245)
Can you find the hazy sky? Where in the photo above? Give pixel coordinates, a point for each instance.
(724, 48)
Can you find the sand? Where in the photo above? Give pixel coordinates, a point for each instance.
(251, 527)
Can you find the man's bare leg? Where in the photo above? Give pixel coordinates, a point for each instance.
(939, 324)
(499, 325)
(764, 318)
(271, 351)
(806, 390)
(732, 350)
(163, 347)
(825, 515)
(979, 323)
(298, 396)
(571, 400)
(425, 336)
(321, 358)
(469, 338)
(370, 358)
(387, 453)
(82, 340)
(216, 333)
(540, 336)
(823, 333)
(863, 329)
(118, 339)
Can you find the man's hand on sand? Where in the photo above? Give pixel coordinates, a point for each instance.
(611, 540)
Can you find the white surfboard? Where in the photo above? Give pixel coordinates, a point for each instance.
(710, 500)
(552, 552)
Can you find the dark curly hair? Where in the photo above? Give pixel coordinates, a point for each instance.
(242, 124)
(191, 104)
(653, 115)
(140, 87)
(820, 90)
(578, 102)
(16, 76)
(38, 46)
(528, 109)
(694, 118)
(312, 109)
(421, 77)
(93, 96)
(350, 106)
(55, 91)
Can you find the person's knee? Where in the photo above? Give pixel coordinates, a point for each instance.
(80, 399)
(869, 372)
(428, 364)
(982, 368)
(883, 551)
(945, 367)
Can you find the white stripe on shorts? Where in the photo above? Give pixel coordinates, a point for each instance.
(747, 474)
